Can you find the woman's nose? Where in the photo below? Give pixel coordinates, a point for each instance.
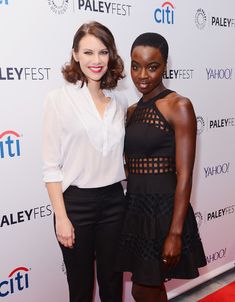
(143, 73)
(96, 58)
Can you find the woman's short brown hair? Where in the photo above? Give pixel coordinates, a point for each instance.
(72, 71)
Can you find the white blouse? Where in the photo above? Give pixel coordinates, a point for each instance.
(79, 147)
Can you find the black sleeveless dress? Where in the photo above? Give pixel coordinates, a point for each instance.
(150, 158)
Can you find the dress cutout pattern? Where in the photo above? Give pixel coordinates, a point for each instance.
(149, 116)
(150, 165)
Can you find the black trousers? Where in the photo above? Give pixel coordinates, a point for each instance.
(96, 215)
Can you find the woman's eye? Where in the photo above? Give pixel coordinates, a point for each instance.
(88, 53)
(153, 68)
(104, 52)
(134, 67)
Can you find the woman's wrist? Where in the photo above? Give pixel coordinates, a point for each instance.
(61, 216)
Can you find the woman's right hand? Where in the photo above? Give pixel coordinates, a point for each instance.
(65, 232)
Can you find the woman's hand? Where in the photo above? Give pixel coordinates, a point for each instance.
(172, 249)
(63, 226)
(65, 232)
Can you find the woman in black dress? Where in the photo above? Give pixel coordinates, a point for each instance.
(160, 238)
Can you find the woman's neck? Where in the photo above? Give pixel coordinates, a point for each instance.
(98, 97)
(154, 92)
(94, 88)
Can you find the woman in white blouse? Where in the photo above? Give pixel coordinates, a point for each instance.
(83, 134)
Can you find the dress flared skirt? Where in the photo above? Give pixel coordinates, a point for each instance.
(146, 226)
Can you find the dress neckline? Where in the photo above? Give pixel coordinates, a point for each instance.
(148, 103)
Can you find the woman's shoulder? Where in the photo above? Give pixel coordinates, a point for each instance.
(55, 92)
(132, 108)
(60, 94)
(180, 107)
(178, 102)
(56, 97)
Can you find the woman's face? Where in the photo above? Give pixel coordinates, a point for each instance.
(93, 57)
(147, 68)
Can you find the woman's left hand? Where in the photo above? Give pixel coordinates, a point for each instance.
(172, 249)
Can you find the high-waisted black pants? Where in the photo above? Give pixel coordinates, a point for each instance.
(96, 215)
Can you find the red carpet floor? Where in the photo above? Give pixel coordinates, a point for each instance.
(225, 294)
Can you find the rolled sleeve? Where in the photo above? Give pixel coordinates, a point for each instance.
(51, 142)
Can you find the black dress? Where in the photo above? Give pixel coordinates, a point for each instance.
(150, 158)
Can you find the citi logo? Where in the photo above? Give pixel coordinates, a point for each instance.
(9, 144)
(165, 14)
(4, 2)
(17, 280)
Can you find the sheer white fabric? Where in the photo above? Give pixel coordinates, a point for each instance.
(79, 147)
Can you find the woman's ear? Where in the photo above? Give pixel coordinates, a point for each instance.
(75, 56)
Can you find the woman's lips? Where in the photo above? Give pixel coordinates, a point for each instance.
(143, 85)
(95, 69)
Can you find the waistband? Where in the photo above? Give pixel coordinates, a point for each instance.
(107, 188)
